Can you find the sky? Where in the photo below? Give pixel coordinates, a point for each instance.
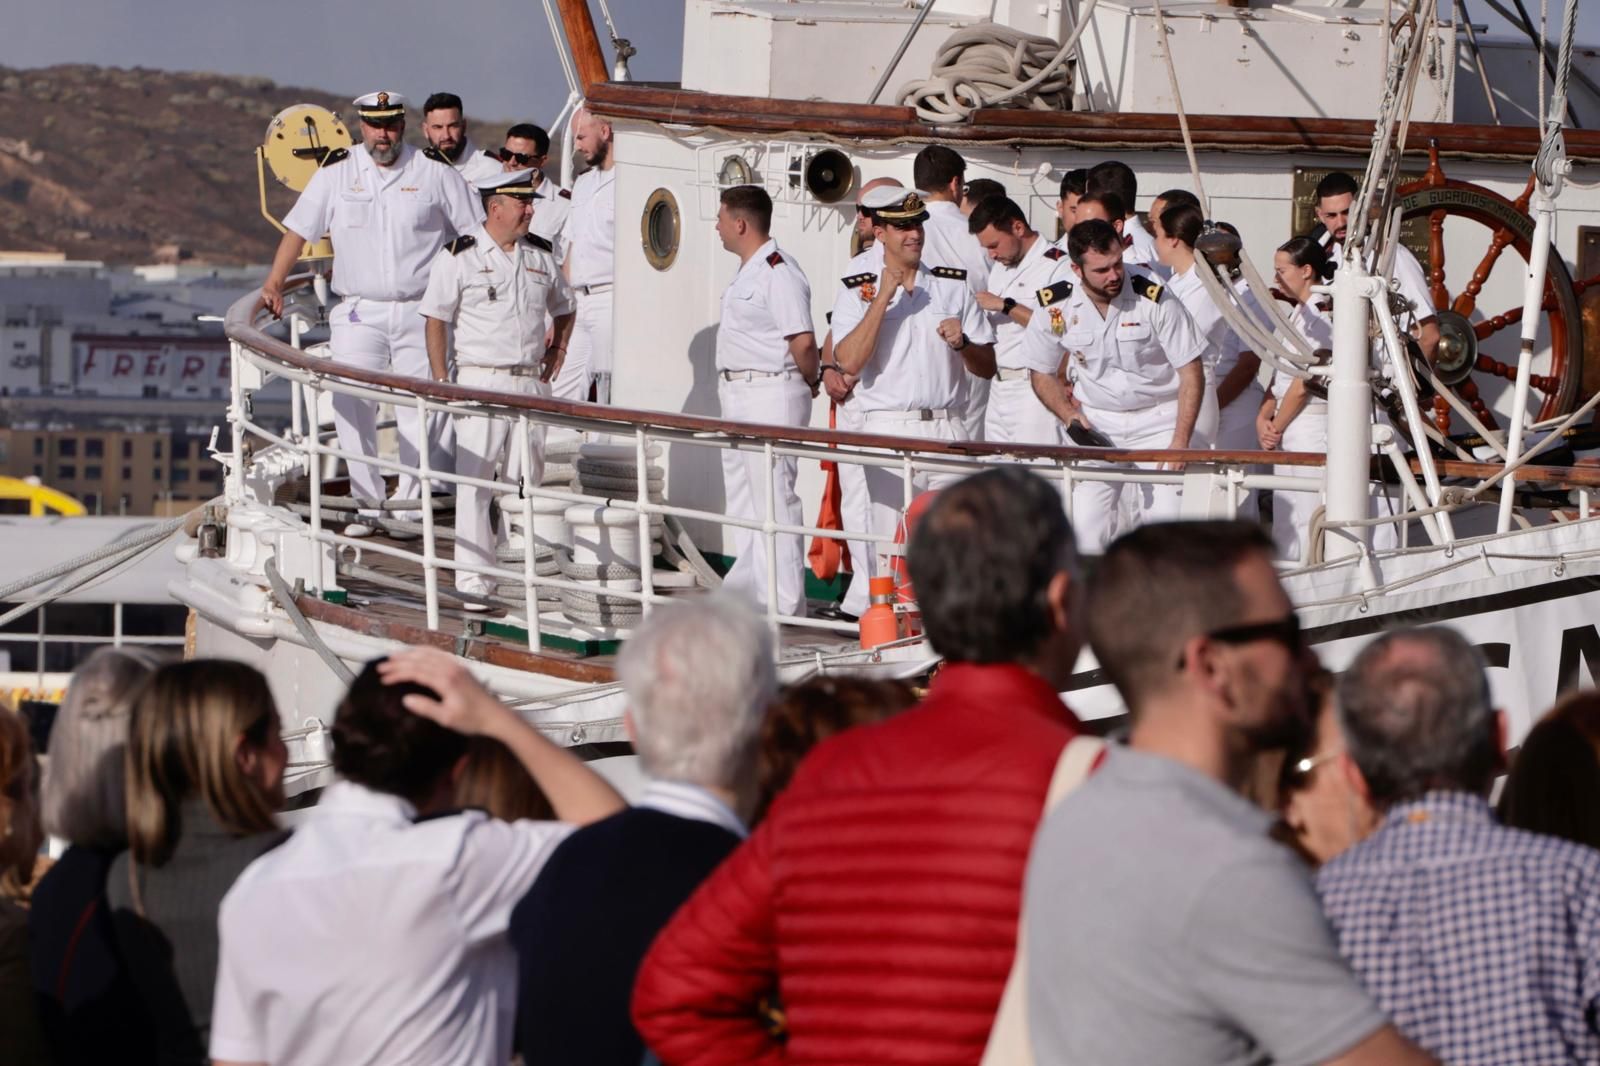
(497, 55)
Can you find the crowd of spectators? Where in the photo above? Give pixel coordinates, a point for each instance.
(1272, 864)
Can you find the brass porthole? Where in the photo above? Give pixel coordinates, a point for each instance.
(660, 228)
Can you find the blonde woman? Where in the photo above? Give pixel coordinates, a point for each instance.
(87, 1002)
(205, 766)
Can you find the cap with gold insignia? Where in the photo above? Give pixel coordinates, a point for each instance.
(381, 106)
(518, 183)
(895, 206)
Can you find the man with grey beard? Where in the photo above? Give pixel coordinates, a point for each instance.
(388, 209)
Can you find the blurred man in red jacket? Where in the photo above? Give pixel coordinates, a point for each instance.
(878, 901)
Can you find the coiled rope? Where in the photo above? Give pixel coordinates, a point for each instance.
(988, 65)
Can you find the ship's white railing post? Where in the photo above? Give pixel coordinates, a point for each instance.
(530, 591)
(236, 420)
(769, 537)
(313, 449)
(641, 458)
(430, 557)
(1349, 408)
(1532, 301)
(1406, 387)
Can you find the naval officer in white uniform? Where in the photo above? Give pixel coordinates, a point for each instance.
(590, 238)
(767, 375)
(388, 207)
(1024, 264)
(939, 174)
(909, 333)
(1134, 357)
(528, 145)
(495, 286)
(444, 124)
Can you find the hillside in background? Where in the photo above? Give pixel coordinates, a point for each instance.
(129, 166)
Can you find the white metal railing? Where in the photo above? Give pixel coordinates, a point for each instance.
(913, 461)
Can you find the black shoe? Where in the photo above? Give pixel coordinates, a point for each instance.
(832, 612)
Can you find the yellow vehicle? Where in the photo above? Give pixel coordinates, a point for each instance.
(41, 499)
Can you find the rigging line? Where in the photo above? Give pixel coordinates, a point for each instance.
(1177, 106)
(1544, 45)
(285, 597)
(562, 55)
(1477, 59)
(1521, 21)
(899, 53)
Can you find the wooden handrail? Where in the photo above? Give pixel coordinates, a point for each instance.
(240, 326)
(1063, 129)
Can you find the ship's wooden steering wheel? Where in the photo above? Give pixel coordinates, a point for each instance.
(1463, 340)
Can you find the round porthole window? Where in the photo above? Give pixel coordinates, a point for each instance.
(660, 228)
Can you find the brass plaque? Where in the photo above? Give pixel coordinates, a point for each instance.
(1413, 231)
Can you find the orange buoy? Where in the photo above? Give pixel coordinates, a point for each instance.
(879, 624)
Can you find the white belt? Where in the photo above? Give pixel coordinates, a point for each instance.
(515, 371)
(592, 290)
(1009, 374)
(920, 414)
(755, 375)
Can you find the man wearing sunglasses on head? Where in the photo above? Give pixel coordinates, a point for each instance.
(526, 146)
(1162, 923)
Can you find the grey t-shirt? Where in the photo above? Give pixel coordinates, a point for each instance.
(1164, 926)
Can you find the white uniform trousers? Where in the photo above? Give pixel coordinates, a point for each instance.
(482, 445)
(1236, 432)
(779, 400)
(1292, 511)
(1103, 510)
(974, 403)
(1204, 434)
(386, 336)
(588, 349)
(1015, 415)
(886, 497)
(855, 510)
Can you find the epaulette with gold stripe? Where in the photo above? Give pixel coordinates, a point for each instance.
(461, 244)
(953, 273)
(1054, 294)
(855, 281)
(1150, 290)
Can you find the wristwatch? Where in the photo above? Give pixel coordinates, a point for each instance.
(1006, 305)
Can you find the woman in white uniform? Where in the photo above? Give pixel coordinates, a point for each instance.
(1291, 418)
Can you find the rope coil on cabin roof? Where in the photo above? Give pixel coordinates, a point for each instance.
(988, 65)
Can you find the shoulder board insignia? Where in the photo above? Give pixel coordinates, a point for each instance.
(461, 244)
(1053, 253)
(1150, 290)
(775, 259)
(491, 155)
(954, 273)
(434, 154)
(1054, 294)
(565, 194)
(337, 155)
(538, 242)
(855, 281)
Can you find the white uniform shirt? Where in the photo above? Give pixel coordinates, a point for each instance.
(1222, 345)
(369, 937)
(475, 164)
(590, 232)
(1044, 263)
(1408, 274)
(912, 367)
(496, 300)
(768, 302)
(386, 222)
(1126, 361)
(946, 241)
(552, 206)
(1141, 249)
(1315, 324)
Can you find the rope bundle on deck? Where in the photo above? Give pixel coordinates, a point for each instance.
(978, 66)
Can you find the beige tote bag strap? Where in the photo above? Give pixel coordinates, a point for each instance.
(1008, 1040)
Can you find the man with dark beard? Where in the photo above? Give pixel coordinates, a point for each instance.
(590, 240)
(1163, 924)
(388, 209)
(444, 124)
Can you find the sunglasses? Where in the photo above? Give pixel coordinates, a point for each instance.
(507, 155)
(902, 225)
(1285, 631)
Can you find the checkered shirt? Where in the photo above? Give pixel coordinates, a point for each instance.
(1481, 942)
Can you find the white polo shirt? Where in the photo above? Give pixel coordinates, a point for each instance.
(1222, 345)
(1126, 360)
(590, 232)
(1044, 263)
(912, 367)
(371, 938)
(1315, 324)
(946, 241)
(552, 205)
(386, 222)
(768, 302)
(495, 299)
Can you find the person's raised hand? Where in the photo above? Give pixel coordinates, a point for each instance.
(464, 705)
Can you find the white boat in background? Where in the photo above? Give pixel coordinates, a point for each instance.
(630, 513)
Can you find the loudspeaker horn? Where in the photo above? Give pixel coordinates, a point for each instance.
(830, 175)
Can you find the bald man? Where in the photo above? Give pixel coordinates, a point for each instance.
(840, 387)
(590, 239)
